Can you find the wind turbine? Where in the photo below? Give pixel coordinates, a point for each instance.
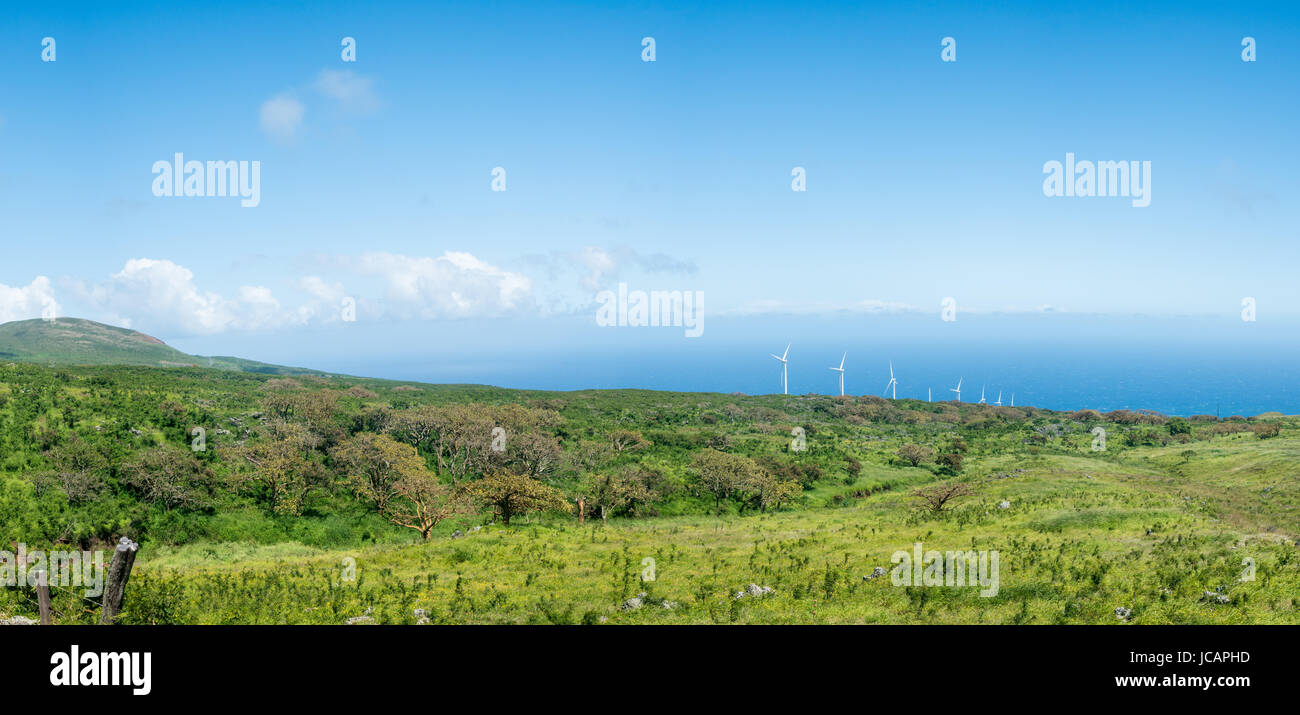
(957, 389)
(892, 382)
(927, 394)
(981, 394)
(840, 370)
(999, 402)
(784, 375)
(1013, 399)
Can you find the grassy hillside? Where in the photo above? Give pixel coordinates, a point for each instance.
(74, 341)
(1177, 521)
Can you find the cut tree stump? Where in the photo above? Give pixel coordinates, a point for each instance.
(43, 598)
(119, 571)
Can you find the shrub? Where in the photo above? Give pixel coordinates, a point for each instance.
(915, 453)
(1265, 430)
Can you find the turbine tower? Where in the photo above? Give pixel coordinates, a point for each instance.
(927, 394)
(981, 394)
(957, 389)
(784, 375)
(840, 370)
(999, 402)
(1013, 399)
(893, 383)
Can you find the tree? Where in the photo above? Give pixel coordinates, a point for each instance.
(624, 440)
(315, 409)
(414, 426)
(362, 393)
(375, 464)
(616, 493)
(1266, 430)
(534, 454)
(1179, 425)
(460, 436)
(421, 502)
(935, 498)
(915, 453)
(722, 474)
(588, 456)
(760, 490)
(373, 419)
(285, 473)
(509, 494)
(81, 468)
(169, 475)
(952, 462)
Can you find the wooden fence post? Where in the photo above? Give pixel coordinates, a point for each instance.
(43, 598)
(118, 573)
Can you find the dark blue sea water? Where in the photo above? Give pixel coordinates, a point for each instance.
(1179, 366)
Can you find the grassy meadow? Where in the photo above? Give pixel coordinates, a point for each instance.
(283, 517)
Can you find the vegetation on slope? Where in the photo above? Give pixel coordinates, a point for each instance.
(74, 341)
(300, 479)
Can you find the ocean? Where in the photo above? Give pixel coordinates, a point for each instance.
(1173, 366)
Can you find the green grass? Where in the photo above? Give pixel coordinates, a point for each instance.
(1071, 549)
(1149, 528)
(74, 341)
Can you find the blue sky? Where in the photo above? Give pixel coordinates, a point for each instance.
(924, 178)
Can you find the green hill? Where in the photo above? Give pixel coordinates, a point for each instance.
(74, 341)
(241, 490)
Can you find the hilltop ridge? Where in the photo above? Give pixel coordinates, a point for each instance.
(76, 341)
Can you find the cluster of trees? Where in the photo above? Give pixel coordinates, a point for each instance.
(93, 448)
(415, 466)
(948, 462)
(735, 477)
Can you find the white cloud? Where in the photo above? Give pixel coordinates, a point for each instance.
(569, 280)
(602, 266)
(352, 91)
(453, 285)
(28, 301)
(599, 265)
(320, 290)
(281, 117)
(161, 296)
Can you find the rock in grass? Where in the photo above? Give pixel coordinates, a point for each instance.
(876, 573)
(635, 602)
(1214, 597)
(361, 621)
(1123, 613)
(755, 590)
(17, 621)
